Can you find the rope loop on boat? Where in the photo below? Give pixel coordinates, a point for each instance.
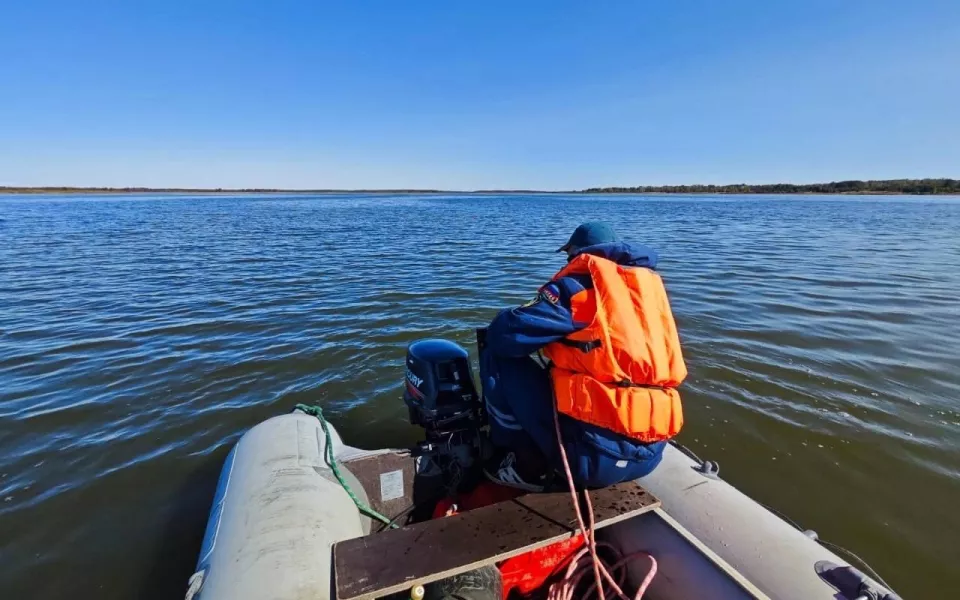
(328, 457)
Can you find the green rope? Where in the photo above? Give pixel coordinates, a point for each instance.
(317, 412)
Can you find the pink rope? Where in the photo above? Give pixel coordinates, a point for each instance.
(565, 588)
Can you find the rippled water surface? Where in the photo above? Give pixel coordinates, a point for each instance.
(141, 335)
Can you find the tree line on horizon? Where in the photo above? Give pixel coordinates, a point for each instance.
(884, 186)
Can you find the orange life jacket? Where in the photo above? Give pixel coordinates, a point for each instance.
(620, 372)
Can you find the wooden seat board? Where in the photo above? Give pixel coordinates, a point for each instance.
(395, 560)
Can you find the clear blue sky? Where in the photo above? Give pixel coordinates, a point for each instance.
(481, 94)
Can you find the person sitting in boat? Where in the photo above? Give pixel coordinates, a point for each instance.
(595, 357)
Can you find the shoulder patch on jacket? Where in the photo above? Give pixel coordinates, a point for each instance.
(550, 293)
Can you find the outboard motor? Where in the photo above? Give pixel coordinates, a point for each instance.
(441, 397)
(439, 389)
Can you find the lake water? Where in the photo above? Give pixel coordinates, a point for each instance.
(141, 335)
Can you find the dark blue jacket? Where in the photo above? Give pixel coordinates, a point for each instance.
(519, 392)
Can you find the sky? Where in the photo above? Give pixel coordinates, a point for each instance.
(548, 95)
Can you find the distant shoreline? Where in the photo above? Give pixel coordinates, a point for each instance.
(119, 192)
(901, 187)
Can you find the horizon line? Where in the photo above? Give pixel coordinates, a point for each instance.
(871, 186)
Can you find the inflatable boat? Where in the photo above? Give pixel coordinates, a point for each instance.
(298, 514)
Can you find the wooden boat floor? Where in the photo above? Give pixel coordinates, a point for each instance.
(397, 559)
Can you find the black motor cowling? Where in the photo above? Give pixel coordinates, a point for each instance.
(438, 389)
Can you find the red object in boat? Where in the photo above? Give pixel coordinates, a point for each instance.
(527, 572)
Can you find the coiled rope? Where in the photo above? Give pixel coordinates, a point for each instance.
(566, 587)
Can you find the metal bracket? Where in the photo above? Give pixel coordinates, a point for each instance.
(851, 582)
(709, 469)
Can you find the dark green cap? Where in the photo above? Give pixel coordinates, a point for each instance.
(589, 234)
